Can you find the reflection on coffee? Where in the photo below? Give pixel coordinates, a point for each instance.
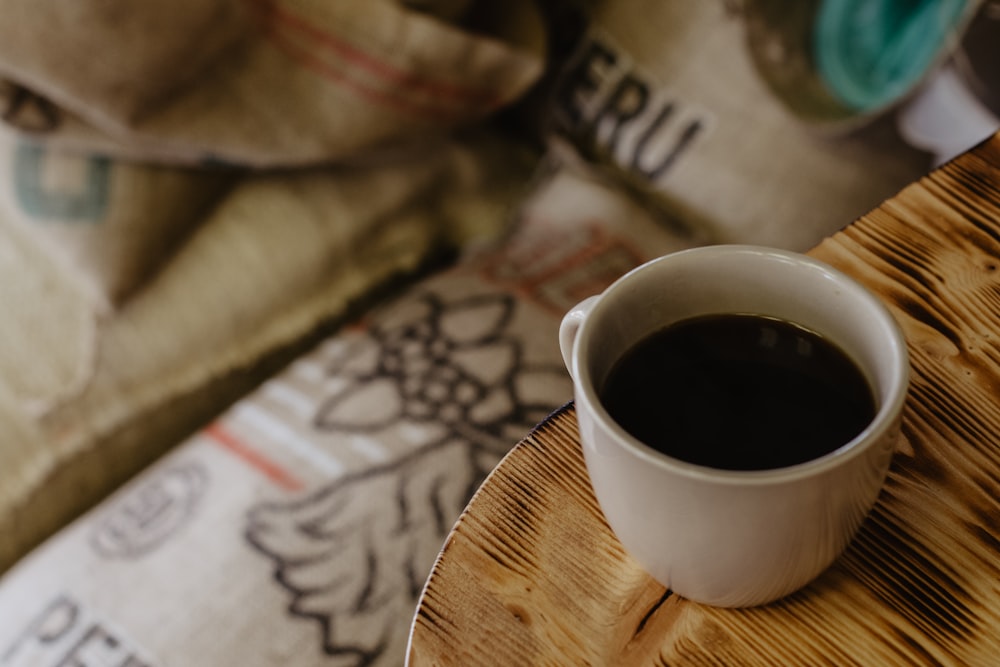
(739, 392)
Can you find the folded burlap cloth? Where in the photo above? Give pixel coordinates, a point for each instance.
(245, 83)
(189, 191)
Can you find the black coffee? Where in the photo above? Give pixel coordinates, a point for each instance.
(739, 392)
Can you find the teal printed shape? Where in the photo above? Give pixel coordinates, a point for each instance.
(87, 202)
(871, 53)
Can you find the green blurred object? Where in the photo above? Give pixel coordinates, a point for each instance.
(871, 53)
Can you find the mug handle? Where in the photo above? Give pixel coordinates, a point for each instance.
(570, 325)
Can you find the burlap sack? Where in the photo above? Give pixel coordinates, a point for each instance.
(299, 527)
(665, 98)
(281, 257)
(259, 82)
(109, 223)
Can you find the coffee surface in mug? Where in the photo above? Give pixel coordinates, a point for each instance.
(739, 392)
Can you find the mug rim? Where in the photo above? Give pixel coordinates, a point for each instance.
(885, 418)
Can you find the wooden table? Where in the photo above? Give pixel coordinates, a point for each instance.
(532, 575)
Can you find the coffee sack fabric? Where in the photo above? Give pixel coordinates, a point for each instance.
(281, 257)
(259, 82)
(670, 100)
(142, 114)
(109, 224)
(299, 526)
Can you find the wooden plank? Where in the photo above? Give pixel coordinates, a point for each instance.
(532, 575)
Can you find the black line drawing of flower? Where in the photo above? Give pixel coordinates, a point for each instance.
(354, 554)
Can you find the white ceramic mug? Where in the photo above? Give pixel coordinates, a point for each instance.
(725, 537)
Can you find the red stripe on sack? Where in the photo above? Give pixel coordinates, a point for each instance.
(331, 73)
(440, 92)
(261, 463)
(381, 68)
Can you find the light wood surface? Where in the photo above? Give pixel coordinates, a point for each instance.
(532, 575)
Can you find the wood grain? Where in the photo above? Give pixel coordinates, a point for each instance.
(532, 575)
